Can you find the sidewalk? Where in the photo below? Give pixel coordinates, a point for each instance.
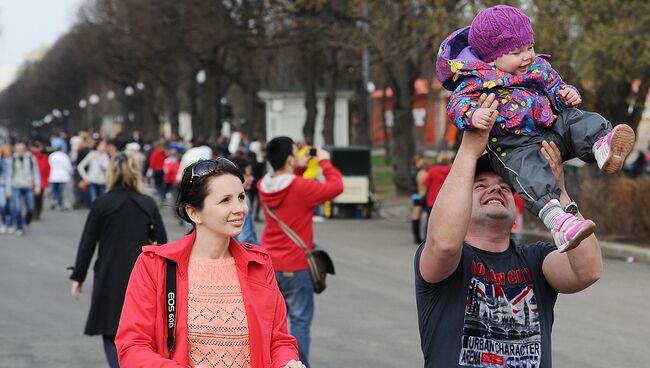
(399, 210)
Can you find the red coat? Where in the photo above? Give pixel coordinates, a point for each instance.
(43, 168)
(156, 159)
(142, 334)
(435, 178)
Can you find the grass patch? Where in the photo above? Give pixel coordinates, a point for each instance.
(382, 179)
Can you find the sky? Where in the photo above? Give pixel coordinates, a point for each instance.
(26, 25)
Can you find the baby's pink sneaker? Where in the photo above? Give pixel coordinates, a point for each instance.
(569, 231)
(612, 149)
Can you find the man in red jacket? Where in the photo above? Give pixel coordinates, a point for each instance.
(293, 198)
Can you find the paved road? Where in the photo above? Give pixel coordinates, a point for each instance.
(365, 319)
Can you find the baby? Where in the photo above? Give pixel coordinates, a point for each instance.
(496, 55)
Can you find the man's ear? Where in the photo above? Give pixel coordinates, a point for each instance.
(291, 161)
(193, 214)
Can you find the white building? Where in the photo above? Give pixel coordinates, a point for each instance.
(286, 114)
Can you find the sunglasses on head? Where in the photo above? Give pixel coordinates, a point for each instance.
(205, 167)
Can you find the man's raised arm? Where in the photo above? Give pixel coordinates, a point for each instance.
(453, 207)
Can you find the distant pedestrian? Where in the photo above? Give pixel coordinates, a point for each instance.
(61, 171)
(120, 222)
(156, 163)
(23, 183)
(418, 198)
(5, 207)
(93, 170)
(436, 177)
(170, 171)
(41, 157)
(228, 309)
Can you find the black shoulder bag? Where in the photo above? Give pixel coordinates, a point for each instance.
(170, 307)
(320, 263)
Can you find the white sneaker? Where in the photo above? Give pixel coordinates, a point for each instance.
(612, 149)
(11, 230)
(318, 219)
(3, 229)
(19, 233)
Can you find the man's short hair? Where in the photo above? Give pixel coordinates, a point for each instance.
(484, 165)
(278, 150)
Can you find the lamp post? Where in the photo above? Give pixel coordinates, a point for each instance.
(93, 100)
(82, 105)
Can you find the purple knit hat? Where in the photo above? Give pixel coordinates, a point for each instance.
(498, 30)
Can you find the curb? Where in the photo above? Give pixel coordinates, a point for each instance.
(627, 252)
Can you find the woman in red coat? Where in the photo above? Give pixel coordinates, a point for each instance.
(229, 310)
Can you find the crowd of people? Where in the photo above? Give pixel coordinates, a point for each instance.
(215, 188)
(31, 167)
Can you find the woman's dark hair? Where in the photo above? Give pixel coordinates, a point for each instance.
(192, 192)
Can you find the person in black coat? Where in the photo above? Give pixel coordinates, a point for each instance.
(121, 221)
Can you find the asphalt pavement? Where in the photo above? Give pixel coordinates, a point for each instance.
(366, 317)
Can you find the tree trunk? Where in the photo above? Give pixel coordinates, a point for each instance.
(311, 100)
(215, 128)
(172, 110)
(195, 105)
(361, 134)
(612, 101)
(330, 99)
(403, 130)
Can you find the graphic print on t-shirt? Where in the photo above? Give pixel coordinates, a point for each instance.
(501, 326)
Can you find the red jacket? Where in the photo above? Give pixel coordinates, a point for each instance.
(43, 168)
(156, 159)
(142, 334)
(435, 178)
(171, 167)
(293, 199)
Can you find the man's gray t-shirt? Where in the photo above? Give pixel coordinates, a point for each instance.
(494, 310)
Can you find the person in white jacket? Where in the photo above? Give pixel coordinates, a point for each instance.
(60, 173)
(93, 170)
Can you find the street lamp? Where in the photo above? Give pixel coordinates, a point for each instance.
(93, 100)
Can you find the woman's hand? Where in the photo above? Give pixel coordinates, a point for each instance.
(294, 364)
(76, 290)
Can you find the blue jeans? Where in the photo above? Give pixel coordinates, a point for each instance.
(3, 198)
(57, 193)
(298, 293)
(95, 190)
(20, 196)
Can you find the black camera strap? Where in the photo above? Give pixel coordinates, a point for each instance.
(170, 311)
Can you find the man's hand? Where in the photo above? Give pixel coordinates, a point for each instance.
(37, 190)
(475, 140)
(294, 364)
(569, 96)
(552, 154)
(321, 154)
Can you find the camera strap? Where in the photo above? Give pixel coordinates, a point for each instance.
(170, 311)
